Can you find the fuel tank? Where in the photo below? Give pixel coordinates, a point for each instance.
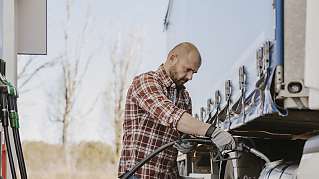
(279, 170)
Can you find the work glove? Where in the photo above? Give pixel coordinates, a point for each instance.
(185, 146)
(222, 139)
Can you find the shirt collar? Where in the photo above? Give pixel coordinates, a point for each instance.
(167, 80)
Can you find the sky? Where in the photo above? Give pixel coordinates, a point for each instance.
(231, 29)
(109, 21)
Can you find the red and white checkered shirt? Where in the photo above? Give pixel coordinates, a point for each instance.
(153, 107)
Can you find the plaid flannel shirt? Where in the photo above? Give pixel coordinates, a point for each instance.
(153, 107)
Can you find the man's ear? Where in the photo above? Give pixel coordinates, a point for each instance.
(173, 59)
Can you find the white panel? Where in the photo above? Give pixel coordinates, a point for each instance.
(294, 39)
(9, 45)
(32, 26)
(312, 53)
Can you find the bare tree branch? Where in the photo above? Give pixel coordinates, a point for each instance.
(35, 71)
(74, 66)
(90, 109)
(124, 58)
(22, 73)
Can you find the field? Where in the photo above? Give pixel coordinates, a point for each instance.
(79, 161)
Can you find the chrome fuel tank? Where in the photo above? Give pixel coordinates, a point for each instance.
(279, 170)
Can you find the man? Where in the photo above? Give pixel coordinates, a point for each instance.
(158, 111)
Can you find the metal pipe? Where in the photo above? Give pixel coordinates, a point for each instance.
(279, 32)
(256, 152)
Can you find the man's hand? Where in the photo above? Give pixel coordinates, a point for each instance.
(222, 139)
(189, 125)
(185, 147)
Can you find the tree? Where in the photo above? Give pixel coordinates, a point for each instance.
(124, 58)
(73, 67)
(29, 67)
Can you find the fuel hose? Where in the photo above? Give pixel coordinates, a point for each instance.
(160, 149)
(5, 124)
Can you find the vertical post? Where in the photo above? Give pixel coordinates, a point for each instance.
(10, 55)
(9, 39)
(279, 32)
(2, 157)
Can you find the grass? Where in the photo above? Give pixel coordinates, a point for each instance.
(94, 160)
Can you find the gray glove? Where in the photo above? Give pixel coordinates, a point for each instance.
(222, 139)
(185, 147)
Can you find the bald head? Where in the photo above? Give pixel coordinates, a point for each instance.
(186, 50)
(182, 62)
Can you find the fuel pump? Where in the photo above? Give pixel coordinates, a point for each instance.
(9, 111)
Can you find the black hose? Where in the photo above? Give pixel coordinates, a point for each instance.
(256, 153)
(5, 124)
(19, 152)
(17, 140)
(8, 100)
(14, 126)
(160, 149)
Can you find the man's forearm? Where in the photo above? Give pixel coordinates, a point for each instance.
(190, 125)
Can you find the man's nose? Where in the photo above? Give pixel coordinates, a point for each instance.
(189, 76)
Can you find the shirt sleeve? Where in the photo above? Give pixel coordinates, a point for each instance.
(149, 95)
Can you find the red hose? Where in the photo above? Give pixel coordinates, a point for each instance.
(4, 162)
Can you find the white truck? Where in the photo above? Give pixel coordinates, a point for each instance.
(260, 80)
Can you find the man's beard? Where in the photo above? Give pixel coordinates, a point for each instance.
(173, 75)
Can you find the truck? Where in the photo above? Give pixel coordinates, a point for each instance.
(260, 82)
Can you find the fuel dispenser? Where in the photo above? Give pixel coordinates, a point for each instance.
(9, 116)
